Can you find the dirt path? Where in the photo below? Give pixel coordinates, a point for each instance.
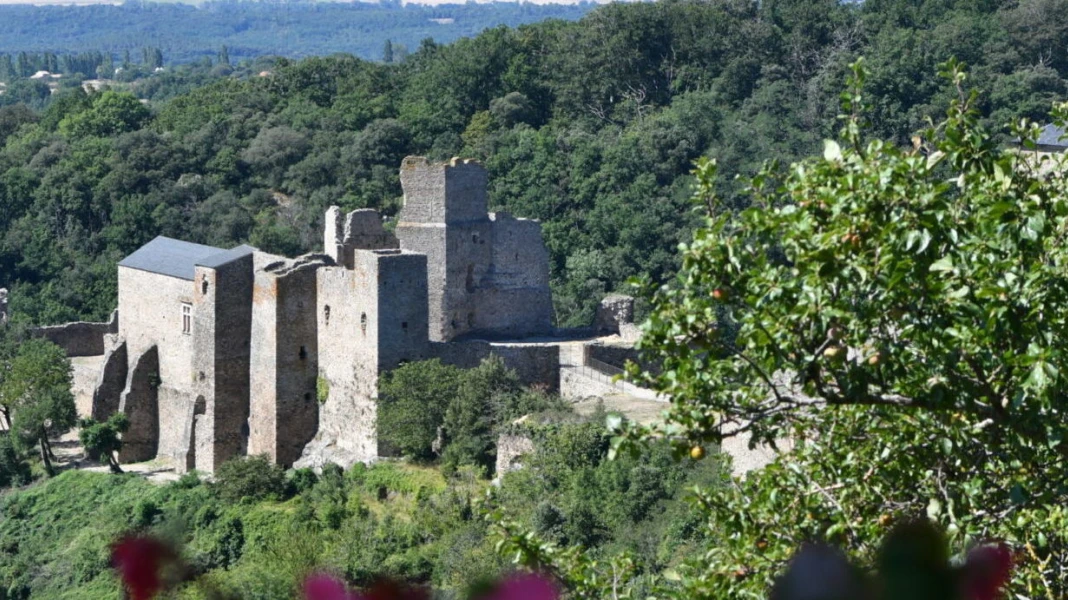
(639, 410)
(69, 455)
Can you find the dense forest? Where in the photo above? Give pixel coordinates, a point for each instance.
(942, 387)
(186, 33)
(591, 126)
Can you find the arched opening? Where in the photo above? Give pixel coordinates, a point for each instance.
(204, 286)
(326, 314)
(200, 408)
(363, 323)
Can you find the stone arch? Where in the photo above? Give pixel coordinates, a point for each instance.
(140, 403)
(109, 386)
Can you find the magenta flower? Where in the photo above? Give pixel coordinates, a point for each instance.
(324, 587)
(525, 586)
(139, 561)
(986, 572)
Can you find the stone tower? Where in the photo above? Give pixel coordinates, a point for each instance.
(486, 273)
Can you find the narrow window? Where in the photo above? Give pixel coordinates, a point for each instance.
(187, 318)
(303, 353)
(404, 326)
(204, 286)
(326, 314)
(363, 323)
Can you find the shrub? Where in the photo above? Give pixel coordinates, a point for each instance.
(252, 478)
(13, 469)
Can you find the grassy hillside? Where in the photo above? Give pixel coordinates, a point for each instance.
(246, 535)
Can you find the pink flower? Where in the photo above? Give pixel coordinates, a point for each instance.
(325, 587)
(139, 561)
(986, 572)
(525, 586)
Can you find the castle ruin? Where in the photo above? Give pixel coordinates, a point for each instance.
(219, 353)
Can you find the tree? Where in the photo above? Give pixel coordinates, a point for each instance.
(897, 312)
(387, 52)
(412, 402)
(110, 113)
(39, 388)
(102, 441)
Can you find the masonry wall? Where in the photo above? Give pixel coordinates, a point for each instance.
(468, 270)
(487, 274)
(346, 307)
(221, 333)
(110, 381)
(140, 402)
(515, 299)
(151, 309)
(360, 229)
(534, 364)
(79, 338)
(371, 318)
(283, 415)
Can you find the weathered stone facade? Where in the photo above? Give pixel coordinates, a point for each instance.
(488, 273)
(221, 353)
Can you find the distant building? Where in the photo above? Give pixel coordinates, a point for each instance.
(1053, 139)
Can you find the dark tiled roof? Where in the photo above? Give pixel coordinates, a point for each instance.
(1053, 136)
(173, 258)
(217, 260)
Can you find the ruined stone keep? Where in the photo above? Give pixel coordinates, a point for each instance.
(219, 353)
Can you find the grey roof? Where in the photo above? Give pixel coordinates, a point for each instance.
(170, 257)
(1053, 136)
(227, 256)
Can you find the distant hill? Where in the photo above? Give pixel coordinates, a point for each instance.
(186, 33)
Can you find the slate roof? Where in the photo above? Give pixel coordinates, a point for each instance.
(227, 256)
(1053, 136)
(170, 257)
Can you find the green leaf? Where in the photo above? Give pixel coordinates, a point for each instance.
(944, 264)
(831, 150)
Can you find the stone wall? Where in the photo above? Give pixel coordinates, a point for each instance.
(515, 298)
(85, 370)
(140, 402)
(221, 336)
(358, 230)
(487, 274)
(536, 364)
(79, 338)
(284, 411)
(510, 450)
(372, 318)
(110, 382)
(151, 309)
